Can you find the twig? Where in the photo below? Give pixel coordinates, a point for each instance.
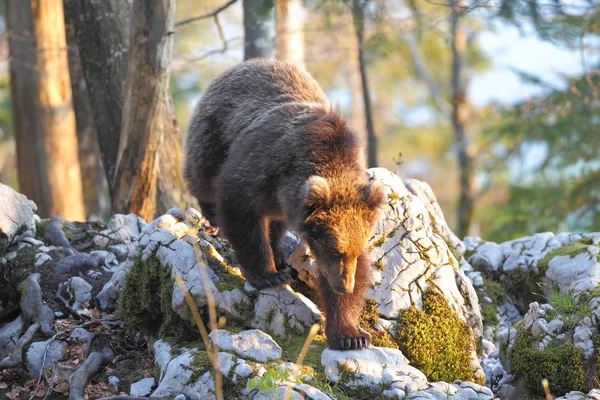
(65, 302)
(125, 398)
(207, 15)
(49, 342)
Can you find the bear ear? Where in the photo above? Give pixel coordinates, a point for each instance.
(374, 195)
(316, 191)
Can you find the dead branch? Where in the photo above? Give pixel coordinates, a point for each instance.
(213, 13)
(92, 365)
(66, 303)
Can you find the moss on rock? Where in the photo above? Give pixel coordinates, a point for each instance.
(367, 321)
(145, 301)
(436, 340)
(570, 249)
(561, 364)
(229, 279)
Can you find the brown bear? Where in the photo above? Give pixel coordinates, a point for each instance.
(265, 152)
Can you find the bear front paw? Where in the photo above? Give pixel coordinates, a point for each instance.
(349, 342)
(275, 279)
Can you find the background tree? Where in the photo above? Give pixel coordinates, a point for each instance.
(55, 178)
(102, 29)
(26, 113)
(358, 17)
(289, 29)
(259, 28)
(102, 35)
(552, 136)
(95, 186)
(147, 112)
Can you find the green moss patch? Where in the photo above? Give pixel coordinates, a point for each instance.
(12, 274)
(495, 292)
(570, 249)
(560, 364)
(228, 278)
(436, 341)
(367, 321)
(145, 301)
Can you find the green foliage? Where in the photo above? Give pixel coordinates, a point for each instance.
(436, 341)
(145, 301)
(560, 191)
(561, 364)
(270, 379)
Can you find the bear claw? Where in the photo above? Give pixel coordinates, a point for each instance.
(351, 343)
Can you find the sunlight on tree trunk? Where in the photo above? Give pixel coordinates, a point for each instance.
(358, 16)
(459, 115)
(289, 28)
(259, 29)
(146, 112)
(25, 107)
(62, 172)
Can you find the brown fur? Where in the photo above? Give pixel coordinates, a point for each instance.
(264, 152)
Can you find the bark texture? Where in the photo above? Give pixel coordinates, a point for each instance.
(62, 175)
(358, 16)
(102, 33)
(95, 186)
(289, 28)
(259, 29)
(147, 112)
(25, 107)
(458, 39)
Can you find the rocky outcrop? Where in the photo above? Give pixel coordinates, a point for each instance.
(16, 217)
(530, 307)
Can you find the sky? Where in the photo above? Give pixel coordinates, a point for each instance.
(507, 50)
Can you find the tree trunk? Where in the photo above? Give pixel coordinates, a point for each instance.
(289, 28)
(25, 106)
(102, 33)
(95, 187)
(147, 114)
(259, 29)
(62, 174)
(458, 39)
(358, 16)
